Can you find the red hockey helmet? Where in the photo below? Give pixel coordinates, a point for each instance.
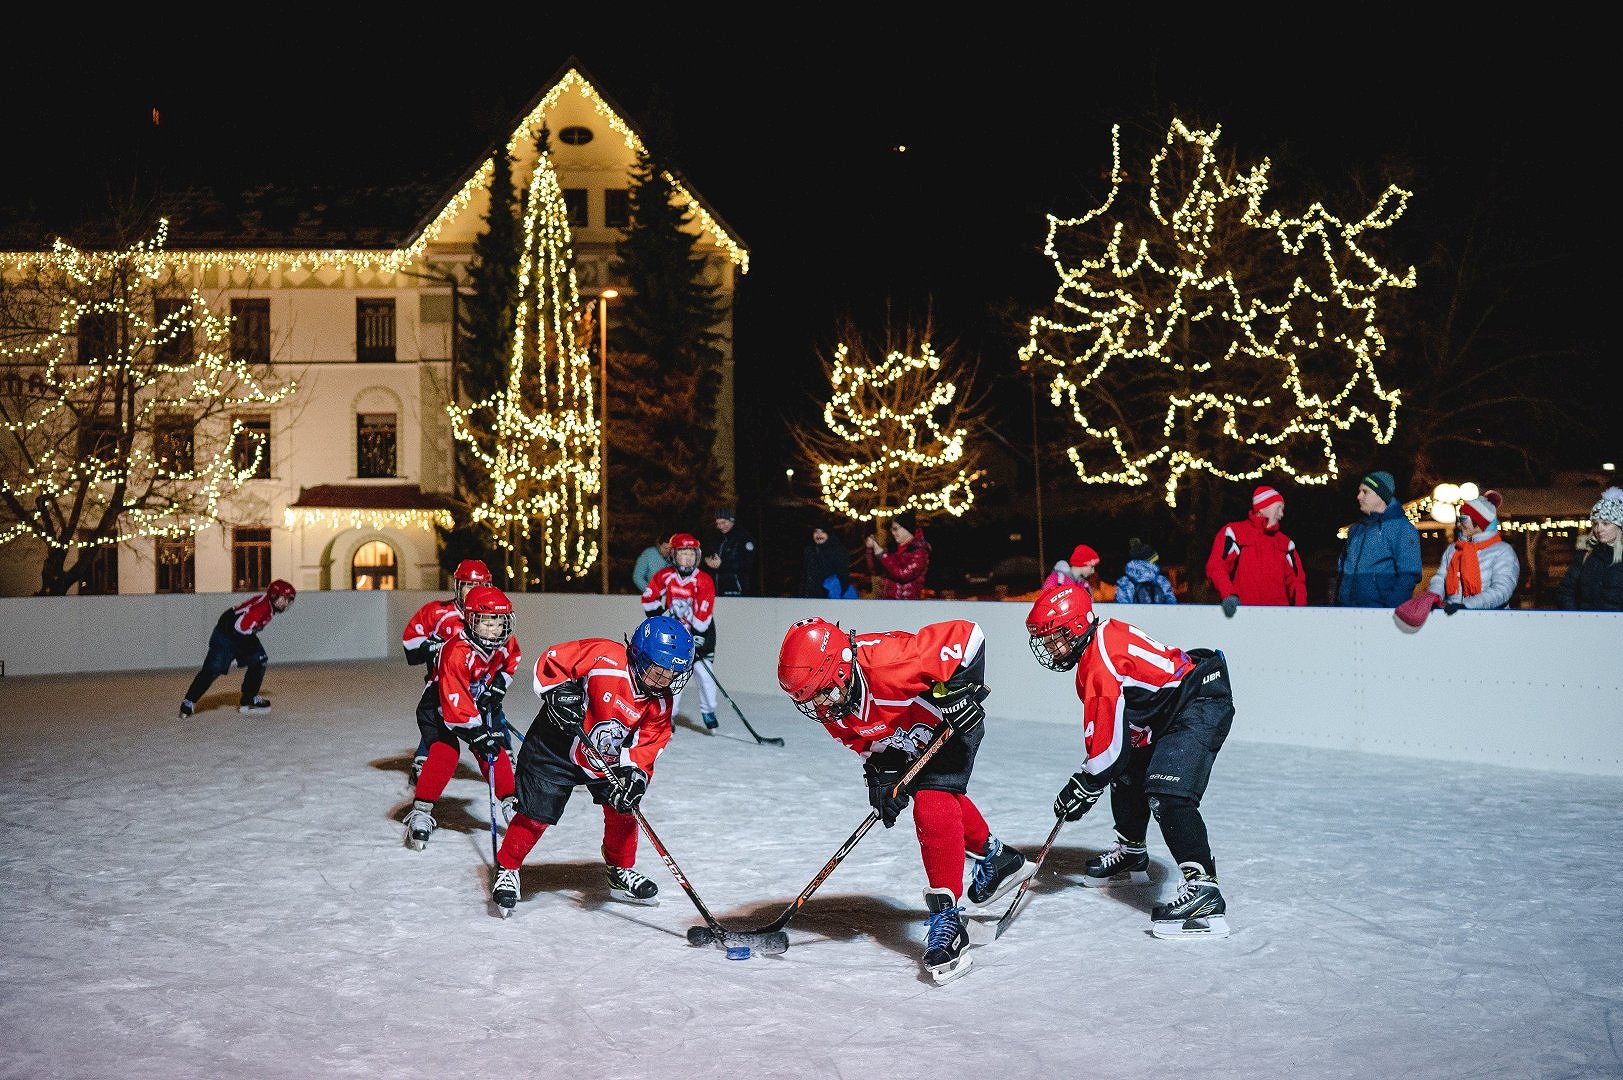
(681, 542)
(1061, 624)
(281, 590)
(817, 668)
(470, 572)
(488, 617)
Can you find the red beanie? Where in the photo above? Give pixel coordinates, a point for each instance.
(1083, 556)
(1265, 496)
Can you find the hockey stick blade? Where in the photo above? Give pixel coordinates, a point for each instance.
(770, 942)
(759, 738)
(1020, 894)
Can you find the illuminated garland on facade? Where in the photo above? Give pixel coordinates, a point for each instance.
(899, 455)
(543, 462)
(343, 518)
(41, 438)
(1199, 340)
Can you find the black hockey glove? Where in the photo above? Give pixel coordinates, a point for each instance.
(1450, 608)
(1077, 797)
(631, 787)
(486, 742)
(1231, 604)
(962, 708)
(881, 798)
(704, 643)
(564, 706)
(490, 702)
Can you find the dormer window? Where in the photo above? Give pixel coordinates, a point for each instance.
(575, 135)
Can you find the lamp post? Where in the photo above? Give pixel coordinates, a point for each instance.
(603, 299)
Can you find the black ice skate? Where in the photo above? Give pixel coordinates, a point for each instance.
(628, 885)
(1126, 863)
(187, 709)
(504, 893)
(1002, 868)
(1197, 910)
(946, 943)
(420, 825)
(710, 722)
(257, 705)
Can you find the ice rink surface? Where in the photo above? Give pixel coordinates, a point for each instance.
(230, 897)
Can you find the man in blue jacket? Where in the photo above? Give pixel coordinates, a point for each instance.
(1380, 565)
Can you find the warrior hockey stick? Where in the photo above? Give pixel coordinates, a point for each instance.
(718, 935)
(711, 668)
(696, 934)
(1014, 905)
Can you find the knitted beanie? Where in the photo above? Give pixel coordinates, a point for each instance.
(1264, 497)
(1138, 549)
(1610, 507)
(1083, 556)
(1382, 484)
(1484, 509)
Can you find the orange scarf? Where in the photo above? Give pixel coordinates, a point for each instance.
(1464, 576)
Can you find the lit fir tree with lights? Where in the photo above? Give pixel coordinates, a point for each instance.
(1198, 333)
(118, 389)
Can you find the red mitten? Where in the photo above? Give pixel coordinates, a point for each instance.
(1414, 610)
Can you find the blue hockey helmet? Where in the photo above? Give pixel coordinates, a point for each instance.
(661, 655)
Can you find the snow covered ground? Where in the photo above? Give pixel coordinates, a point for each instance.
(230, 897)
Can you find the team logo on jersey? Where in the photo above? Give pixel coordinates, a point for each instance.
(909, 740)
(607, 737)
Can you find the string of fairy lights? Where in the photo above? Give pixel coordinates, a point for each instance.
(145, 383)
(543, 460)
(1108, 332)
(900, 454)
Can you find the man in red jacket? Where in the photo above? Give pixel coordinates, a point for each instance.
(1252, 562)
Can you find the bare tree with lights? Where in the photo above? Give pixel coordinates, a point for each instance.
(117, 389)
(1199, 337)
(894, 433)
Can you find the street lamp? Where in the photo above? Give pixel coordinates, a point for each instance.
(603, 299)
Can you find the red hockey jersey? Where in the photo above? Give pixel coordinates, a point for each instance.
(898, 672)
(437, 618)
(691, 600)
(465, 671)
(252, 615)
(1127, 683)
(621, 722)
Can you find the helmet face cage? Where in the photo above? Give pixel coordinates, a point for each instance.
(1058, 649)
(1061, 624)
(660, 653)
(470, 574)
(817, 669)
(488, 619)
(685, 552)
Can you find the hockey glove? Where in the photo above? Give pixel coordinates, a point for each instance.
(485, 742)
(632, 784)
(1076, 797)
(704, 643)
(882, 798)
(962, 709)
(1451, 607)
(1231, 604)
(490, 702)
(564, 706)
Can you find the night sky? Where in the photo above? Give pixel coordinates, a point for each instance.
(790, 133)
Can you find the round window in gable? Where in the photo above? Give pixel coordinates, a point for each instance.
(575, 135)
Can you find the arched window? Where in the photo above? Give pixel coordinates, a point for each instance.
(374, 566)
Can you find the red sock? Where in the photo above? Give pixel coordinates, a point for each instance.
(523, 833)
(976, 831)
(619, 839)
(939, 822)
(437, 770)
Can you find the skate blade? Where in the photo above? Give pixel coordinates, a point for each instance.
(1116, 881)
(504, 912)
(416, 844)
(1212, 926)
(627, 898)
(1004, 888)
(945, 973)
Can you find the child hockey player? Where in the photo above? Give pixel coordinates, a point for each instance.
(428, 630)
(687, 594)
(236, 639)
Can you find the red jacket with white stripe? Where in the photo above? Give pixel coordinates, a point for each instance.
(898, 672)
(1128, 684)
(1258, 566)
(252, 615)
(622, 723)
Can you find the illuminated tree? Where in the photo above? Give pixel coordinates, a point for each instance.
(896, 426)
(542, 462)
(1196, 331)
(117, 388)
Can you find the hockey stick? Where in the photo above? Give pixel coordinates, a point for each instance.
(696, 933)
(1014, 905)
(719, 935)
(711, 668)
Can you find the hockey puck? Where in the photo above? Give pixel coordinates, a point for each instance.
(738, 952)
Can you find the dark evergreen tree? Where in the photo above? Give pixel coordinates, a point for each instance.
(485, 329)
(665, 365)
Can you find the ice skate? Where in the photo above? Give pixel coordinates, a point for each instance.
(1126, 863)
(946, 944)
(1197, 910)
(257, 705)
(504, 893)
(710, 722)
(628, 885)
(997, 872)
(187, 709)
(420, 824)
